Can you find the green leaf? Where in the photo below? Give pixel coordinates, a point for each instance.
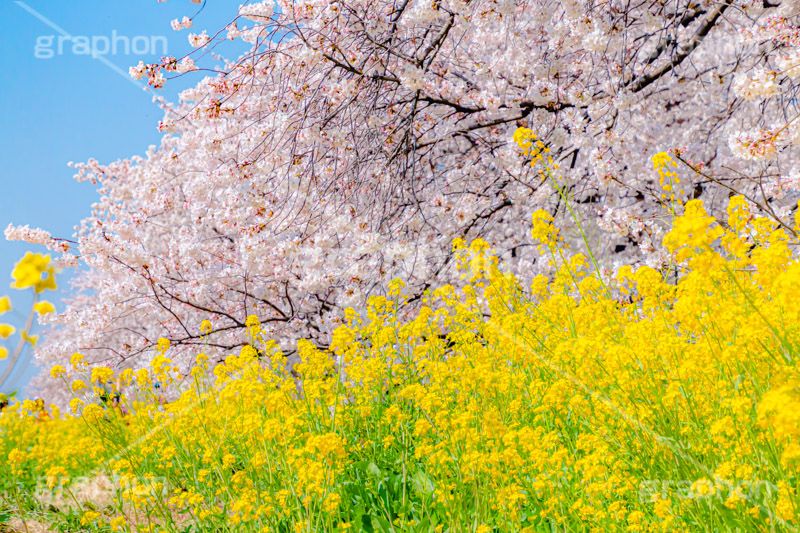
(383, 494)
(386, 527)
(424, 525)
(423, 483)
(366, 524)
(373, 469)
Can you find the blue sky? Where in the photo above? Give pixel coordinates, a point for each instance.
(61, 104)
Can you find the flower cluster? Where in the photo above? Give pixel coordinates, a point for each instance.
(181, 24)
(656, 401)
(33, 271)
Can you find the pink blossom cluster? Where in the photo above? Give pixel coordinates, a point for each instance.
(35, 236)
(199, 39)
(182, 24)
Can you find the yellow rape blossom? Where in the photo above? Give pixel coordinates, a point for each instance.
(34, 270)
(57, 371)
(43, 307)
(163, 345)
(75, 404)
(666, 403)
(101, 374)
(6, 330)
(77, 361)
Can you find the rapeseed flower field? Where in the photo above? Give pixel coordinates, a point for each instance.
(640, 403)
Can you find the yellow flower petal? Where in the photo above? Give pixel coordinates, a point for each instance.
(5, 304)
(28, 271)
(3, 353)
(33, 270)
(6, 330)
(75, 404)
(30, 338)
(48, 281)
(44, 307)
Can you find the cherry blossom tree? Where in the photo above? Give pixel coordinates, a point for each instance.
(358, 138)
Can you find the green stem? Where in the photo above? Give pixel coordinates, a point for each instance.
(580, 229)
